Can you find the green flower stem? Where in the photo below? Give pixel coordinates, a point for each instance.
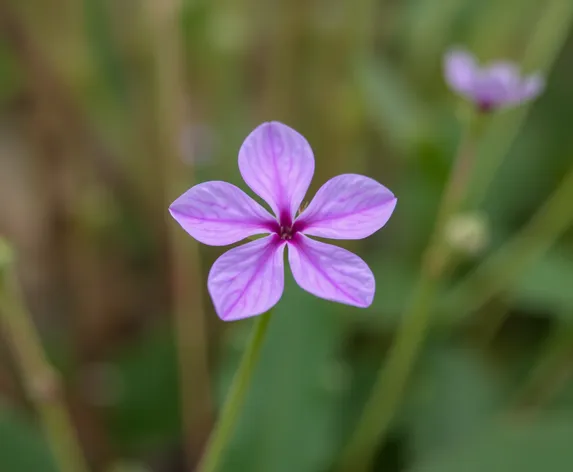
(491, 277)
(547, 40)
(393, 377)
(41, 381)
(235, 398)
(551, 32)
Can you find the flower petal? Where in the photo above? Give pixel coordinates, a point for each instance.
(501, 85)
(349, 206)
(331, 272)
(506, 74)
(490, 92)
(494, 86)
(530, 88)
(278, 164)
(460, 69)
(219, 213)
(248, 280)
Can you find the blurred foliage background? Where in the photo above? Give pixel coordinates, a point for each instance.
(107, 113)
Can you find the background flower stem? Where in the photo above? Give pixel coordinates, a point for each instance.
(393, 376)
(41, 381)
(235, 398)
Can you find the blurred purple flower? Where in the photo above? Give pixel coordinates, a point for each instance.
(277, 163)
(497, 85)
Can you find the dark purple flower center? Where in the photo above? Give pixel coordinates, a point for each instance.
(286, 228)
(485, 106)
(286, 233)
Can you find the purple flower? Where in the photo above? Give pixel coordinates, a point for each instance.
(277, 163)
(498, 85)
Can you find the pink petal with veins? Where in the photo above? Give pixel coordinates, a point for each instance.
(248, 280)
(218, 213)
(331, 272)
(278, 164)
(348, 206)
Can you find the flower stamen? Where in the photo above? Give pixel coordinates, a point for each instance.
(286, 233)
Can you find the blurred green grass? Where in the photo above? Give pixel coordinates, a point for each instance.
(82, 184)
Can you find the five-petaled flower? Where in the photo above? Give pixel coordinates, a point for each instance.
(498, 85)
(277, 163)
